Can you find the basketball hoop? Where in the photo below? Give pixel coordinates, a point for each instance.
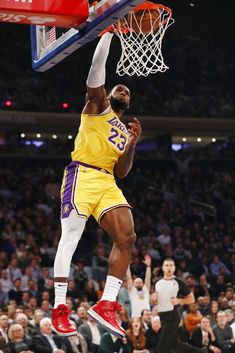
(141, 33)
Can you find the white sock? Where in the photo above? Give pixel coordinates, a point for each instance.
(60, 293)
(111, 289)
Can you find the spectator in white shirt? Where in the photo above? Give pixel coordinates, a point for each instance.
(139, 290)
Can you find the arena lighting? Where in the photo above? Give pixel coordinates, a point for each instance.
(176, 147)
(199, 139)
(38, 136)
(54, 137)
(213, 139)
(70, 137)
(22, 135)
(8, 103)
(184, 139)
(65, 105)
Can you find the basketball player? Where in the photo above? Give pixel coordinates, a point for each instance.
(103, 147)
(171, 292)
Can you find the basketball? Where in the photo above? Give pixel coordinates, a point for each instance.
(144, 21)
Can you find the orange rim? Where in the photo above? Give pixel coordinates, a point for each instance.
(148, 5)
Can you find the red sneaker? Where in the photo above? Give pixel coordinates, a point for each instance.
(104, 312)
(60, 321)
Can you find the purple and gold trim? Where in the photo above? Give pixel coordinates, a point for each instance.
(68, 190)
(90, 166)
(112, 208)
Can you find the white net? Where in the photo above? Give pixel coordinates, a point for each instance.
(141, 34)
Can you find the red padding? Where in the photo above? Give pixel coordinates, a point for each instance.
(59, 13)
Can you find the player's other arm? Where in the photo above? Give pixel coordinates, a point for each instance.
(188, 299)
(125, 162)
(184, 290)
(96, 98)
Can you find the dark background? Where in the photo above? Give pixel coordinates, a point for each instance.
(198, 48)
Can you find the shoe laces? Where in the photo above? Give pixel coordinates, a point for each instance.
(64, 311)
(117, 306)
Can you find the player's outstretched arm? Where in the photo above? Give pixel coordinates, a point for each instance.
(125, 162)
(147, 261)
(96, 99)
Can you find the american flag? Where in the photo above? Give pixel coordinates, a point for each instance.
(50, 36)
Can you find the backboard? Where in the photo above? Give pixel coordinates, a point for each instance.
(50, 45)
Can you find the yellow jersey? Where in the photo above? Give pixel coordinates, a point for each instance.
(101, 140)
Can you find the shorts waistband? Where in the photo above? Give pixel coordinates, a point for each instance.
(91, 166)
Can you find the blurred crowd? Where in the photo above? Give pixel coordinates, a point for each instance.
(186, 213)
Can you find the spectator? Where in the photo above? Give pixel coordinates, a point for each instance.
(3, 296)
(4, 327)
(15, 293)
(203, 306)
(229, 295)
(123, 317)
(139, 291)
(17, 342)
(213, 311)
(47, 342)
(192, 318)
(33, 303)
(136, 337)
(216, 266)
(27, 310)
(46, 308)
(110, 343)
(197, 289)
(5, 281)
(73, 290)
(25, 298)
(35, 322)
(209, 290)
(92, 333)
(223, 303)
(80, 276)
(73, 315)
(146, 316)
(43, 281)
(152, 334)
(90, 292)
(124, 298)
(82, 316)
(78, 343)
(99, 264)
(164, 238)
(26, 276)
(3, 346)
(229, 314)
(224, 334)
(203, 335)
(32, 289)
(13, 271)
(22, 320)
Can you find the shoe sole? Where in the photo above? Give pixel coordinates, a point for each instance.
(64, 334)
(105, 324)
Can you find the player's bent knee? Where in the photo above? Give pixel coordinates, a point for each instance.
(127, 240)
